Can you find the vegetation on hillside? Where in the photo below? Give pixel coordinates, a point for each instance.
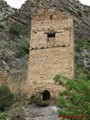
(6, 98)
(82, 57)
(9, 101)
(75, 99)
(38, 101)
(22, 50)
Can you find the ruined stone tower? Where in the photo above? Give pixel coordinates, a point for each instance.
(51, 51)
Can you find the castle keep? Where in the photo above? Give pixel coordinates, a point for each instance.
(51, 51)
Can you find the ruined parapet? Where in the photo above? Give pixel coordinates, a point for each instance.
(51, 50)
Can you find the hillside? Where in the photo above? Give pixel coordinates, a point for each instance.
(15, 33)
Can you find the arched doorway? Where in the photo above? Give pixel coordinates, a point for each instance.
(46, 95)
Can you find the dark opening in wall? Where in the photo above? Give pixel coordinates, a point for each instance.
(46, 95)
(51, 38)
(51, 34)
(50, 17)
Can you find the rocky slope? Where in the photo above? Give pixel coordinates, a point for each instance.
(5, 10)
(14, 34)
(13, 44)
(32, 112)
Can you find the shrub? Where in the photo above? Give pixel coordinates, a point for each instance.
(14, 31)
(19, 99)
(9, 100)
(1, 26)
(37, 100)
(86, 12)
(6, 98)
(79, 13)
(5, 57)
(82, 44)
(3, 115)
(4, 19)
(75, 99)
(16, 13)
(22, 51)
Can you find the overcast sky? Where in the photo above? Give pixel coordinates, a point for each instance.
(15, 3)
(18, 3)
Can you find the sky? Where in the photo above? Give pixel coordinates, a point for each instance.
(18, 3)
(86, 2)
(15, 3)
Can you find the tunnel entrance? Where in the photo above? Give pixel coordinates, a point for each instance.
(46, 95)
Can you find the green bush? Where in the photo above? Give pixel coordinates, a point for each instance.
(6, 98)
(81, 44)
(19, 99)
(3, 115)
(5, 57)
(86, 12)
(9, 101)
(16, 13)
(14, 31)
(1, 26)
(37, 100)
(75, 99)
(79, 13)
(22, 51)
(4, 19)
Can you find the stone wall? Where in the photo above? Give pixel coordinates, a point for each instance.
(51, 50)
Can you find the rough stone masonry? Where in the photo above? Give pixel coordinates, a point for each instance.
(51, 51)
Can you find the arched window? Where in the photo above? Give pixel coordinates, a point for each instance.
(46, 95)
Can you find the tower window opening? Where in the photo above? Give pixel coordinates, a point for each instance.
(51, 35)
(50, 17)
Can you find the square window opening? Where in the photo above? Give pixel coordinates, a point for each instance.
(51, 35)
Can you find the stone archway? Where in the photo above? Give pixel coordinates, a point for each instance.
(45, 95)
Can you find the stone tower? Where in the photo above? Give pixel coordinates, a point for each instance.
(51, 51)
